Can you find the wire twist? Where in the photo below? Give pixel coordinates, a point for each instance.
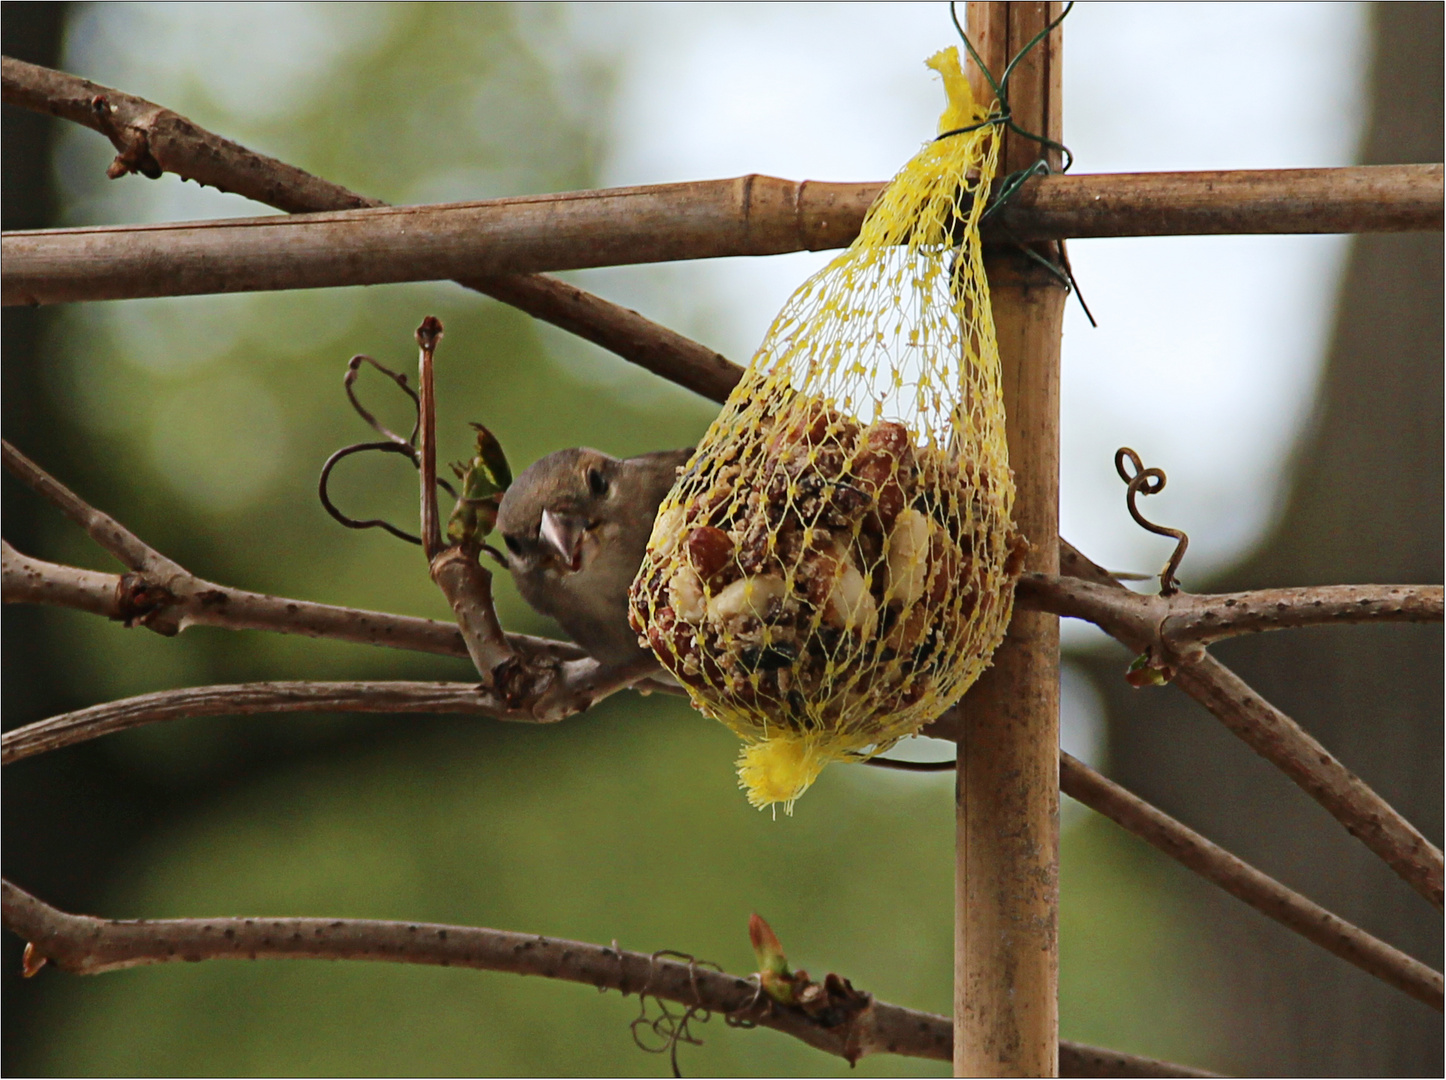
(1011, 185)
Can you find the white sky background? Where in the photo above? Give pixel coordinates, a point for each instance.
(1208, 348)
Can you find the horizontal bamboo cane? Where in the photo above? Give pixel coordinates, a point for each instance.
(748, 215)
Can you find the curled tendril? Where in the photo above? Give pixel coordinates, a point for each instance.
(1151, 482)
(670, 1028)
(353, 369)
(392, 444)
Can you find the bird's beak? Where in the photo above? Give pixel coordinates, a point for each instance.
(564, 535)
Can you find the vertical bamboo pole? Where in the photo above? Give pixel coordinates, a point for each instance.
(1006, 960)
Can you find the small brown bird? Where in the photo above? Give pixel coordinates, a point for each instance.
(576, 523)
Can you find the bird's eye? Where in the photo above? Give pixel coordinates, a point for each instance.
(597, 482)
(513, 545)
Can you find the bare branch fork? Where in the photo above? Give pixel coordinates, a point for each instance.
(165, 597)
(1294, 751)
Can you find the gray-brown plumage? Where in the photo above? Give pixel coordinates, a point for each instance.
(576, 523)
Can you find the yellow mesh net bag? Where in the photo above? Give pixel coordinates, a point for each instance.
(835, 565)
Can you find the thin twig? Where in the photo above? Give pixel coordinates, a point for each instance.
(578, 685)
(35, 581)
(747, 215)
(178, 146)
(151, 139)
(193, 601)
(1290, 748)
(1245, 882)
(89, 946)
(105, 530)
(1143, 481)
(249, 699)
(429, 335)
(465, 583)
(639, 340)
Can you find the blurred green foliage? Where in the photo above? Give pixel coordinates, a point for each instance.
(206, 420)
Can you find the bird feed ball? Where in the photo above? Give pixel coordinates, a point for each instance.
(835, 564)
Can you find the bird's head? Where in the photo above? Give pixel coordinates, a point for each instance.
(558, 512)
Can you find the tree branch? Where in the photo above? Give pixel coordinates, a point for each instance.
(90, 946)
(1287, 746)
(747, 215)
(168, 598)
(1246, 883)
(468, 588)
(637, 339)
(249, 699)
(151, 139)
(1179, 627)
(577, 685)
(1076, 779)
(1232, 874)
(102, 528)
(204, 603)
(176, 145)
